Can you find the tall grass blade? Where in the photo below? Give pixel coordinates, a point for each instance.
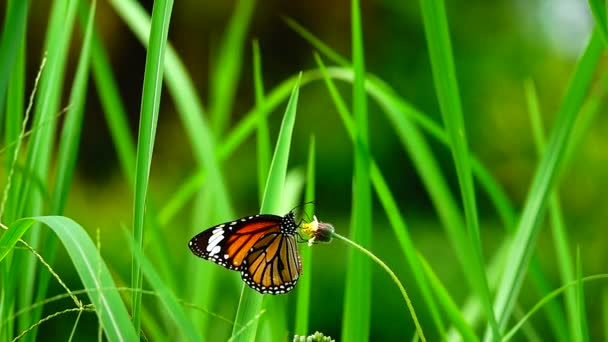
(12, 129)
(188, 105)
(598, 9)
(388, 202)
(70, 136)
(449, 306)
(227, 67)
(13, 34)
(93, 272)
(113, 109)
(558, 229)
(526, 235)
(150, 103)
(304, 284)
(446, 87)
(68, 148)
(357, 295)
(263, 137)
(583, 325)
(185, 329)
(250, 303)
(31, 199)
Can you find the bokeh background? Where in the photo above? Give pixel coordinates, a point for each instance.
(497, 46)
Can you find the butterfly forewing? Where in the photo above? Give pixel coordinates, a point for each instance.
(262, 247)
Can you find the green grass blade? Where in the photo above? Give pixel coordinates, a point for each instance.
(448, 304)
(446, 87)
(605, 312)
(388, 202)
(188, 105)
(68, 148)
(598, 9)
(227, 67)
(15, 108)
(93, 273)
(170, 303)
(12, 235)
(382, 92)
(524, 241)
(509, 335)
(558, 229)
(583, 325)
(250, 303)
(13, 34)
(317, 43)
(273, 193)
(357, 292)
(304, 284)
(31, 199)
(113, 109)
(70, 136)
(150, 103)
(47, 103)
(263, 137)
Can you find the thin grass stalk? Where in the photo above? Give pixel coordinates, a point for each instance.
(262, 135)
(558, 229)
(150, 103)
(357, 296)
(388, 202)
(304, 285)
(583, 325)
(114, 110)
(14, 117)
(446, 86)
(13, 34)
(31, 199)
(250, 303)
(227, 67)
(188, 104)
(68, 146)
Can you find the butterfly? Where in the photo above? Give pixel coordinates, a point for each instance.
(261, 247)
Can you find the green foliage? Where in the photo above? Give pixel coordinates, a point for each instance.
(172, 295)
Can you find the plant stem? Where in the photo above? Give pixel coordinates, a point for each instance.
(408, 302)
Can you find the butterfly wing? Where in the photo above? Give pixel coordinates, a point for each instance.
(228, 244)
(273, 264)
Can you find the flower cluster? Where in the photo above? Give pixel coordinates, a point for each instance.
(318, 231)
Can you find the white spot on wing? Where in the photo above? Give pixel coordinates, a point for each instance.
(215, 250)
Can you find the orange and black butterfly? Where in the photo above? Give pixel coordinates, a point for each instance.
(262, 247)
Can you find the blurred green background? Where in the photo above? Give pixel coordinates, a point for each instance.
(497, 46)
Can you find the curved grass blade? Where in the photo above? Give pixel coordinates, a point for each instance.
(250, 303)
(93, 273)
(357, 295)
(227, 67)
(114, 110)
(304, 284)
(13, 36)
(449, 306)
(583, 326)
(150, 103)
(446, 86)
(188, 105)
(556, 219)
(388, 202)
(166, 296)
(68, 146)
(526, 235)
(263, 137)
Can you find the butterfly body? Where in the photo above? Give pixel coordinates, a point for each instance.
(261, 247)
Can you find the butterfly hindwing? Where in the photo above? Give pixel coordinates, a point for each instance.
(273, 266)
